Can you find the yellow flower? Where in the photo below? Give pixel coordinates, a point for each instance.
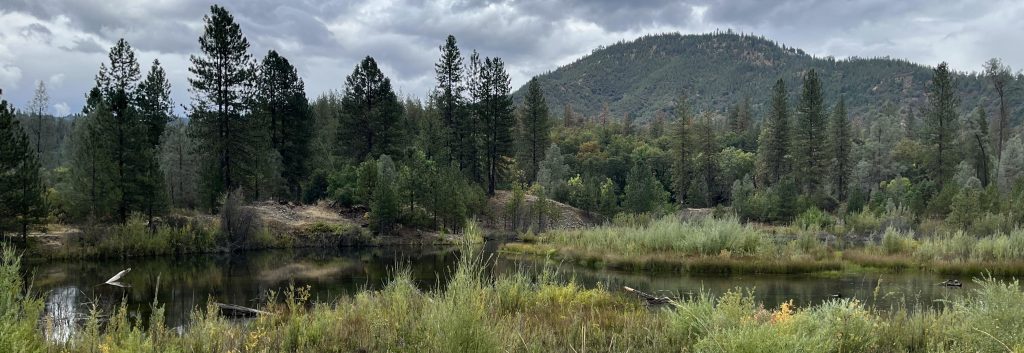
(784, 313)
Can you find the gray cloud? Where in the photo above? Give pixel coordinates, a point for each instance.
(325, 39)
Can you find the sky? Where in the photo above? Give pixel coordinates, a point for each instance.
(63, 42)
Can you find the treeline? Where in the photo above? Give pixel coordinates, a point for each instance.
(434, 163)
(802, 156)
(250, 127)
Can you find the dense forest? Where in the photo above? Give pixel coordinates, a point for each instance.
(644, 77)
(637, 129)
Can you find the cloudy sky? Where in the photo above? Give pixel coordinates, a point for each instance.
(62, 42)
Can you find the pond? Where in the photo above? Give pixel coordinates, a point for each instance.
(73, 288)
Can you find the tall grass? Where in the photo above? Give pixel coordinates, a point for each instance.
(705, 236)
(515, 313)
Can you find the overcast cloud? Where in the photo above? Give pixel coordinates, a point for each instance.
(63, 42)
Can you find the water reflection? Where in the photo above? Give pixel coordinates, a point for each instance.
(189, 282)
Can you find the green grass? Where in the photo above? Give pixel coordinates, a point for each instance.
(514, 313)
(725, 245)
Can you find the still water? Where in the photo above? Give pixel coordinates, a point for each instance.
(73, 288)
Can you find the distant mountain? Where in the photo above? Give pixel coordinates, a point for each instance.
(716, 70)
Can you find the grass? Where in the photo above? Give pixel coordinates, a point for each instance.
(515, 313)
(725, 245)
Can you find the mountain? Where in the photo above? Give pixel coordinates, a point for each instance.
(717, 70)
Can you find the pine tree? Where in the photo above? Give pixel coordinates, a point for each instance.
(608, 198)
(39, 106)
(92, 172)
(942, 125)
(706, 161)
(809, 145)
(774, 144)
(283, 110)
(154, 109)
(449, 98)
(221, 122)
(138, 181)
(1011, 168)
(534, 131)
(682, 151)
(976, 141)
(840, 142)
(553, 172)
(384, 209)
(370, 114)
(495, 110)
(643, 192)
(179, 165)
(469, 151)
(1000, 76)
(21, 189)
(155, 105)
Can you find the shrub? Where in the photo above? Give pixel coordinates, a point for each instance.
(897, 242)
(814, 219)
(239, 223)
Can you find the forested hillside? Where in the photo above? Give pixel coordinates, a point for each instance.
(716, 70)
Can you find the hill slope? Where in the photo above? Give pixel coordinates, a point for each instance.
(716, 70)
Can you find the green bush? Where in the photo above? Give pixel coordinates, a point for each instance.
(814, 219)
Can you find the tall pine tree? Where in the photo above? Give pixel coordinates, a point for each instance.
(493, 102)
(21, 189)
(840, 143)
(284, 112)
(449, 99)
(222, 125)
(773, 152)
(682, 151)
(370, 113)
(809, 145)
(534, 130)
(942, 125)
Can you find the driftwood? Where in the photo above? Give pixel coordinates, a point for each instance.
(238, 310)
(951, 283)
(651, 299)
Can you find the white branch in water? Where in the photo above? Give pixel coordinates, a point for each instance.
(114, 280)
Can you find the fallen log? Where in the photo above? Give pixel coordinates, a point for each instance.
(238, 310)
(651, 299)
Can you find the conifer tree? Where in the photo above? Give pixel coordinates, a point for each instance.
(370, 113)
(284, 112)
(154, 109)
(495, 110)
(706, 162)
(21, 189)
(1000, 76)
(155, 105)
(131, 112)
(222, 125)
(942, 125)
(809, 145)
(92, 171)
(449, 97)
(553, 173)
(976, 141)
(534, 131)
(840, 142)
(643, 192)
(774, 144)
(384, 207)
(682, 151)
(39, 106)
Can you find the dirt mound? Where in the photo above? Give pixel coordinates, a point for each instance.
(564, 216)
(297, 215)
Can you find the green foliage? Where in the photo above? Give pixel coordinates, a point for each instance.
(492, 103)
(682, 152)
(774, 142)
(643, 192)
(533, 131)
(839, 138)
(19, 310)
(553, 174)
(814, 219)
(810, 161)
(942, 125)
(384, 207)
(370, 114)
(646, 74)
(284, 112)
(21, 189)
(225, 134)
